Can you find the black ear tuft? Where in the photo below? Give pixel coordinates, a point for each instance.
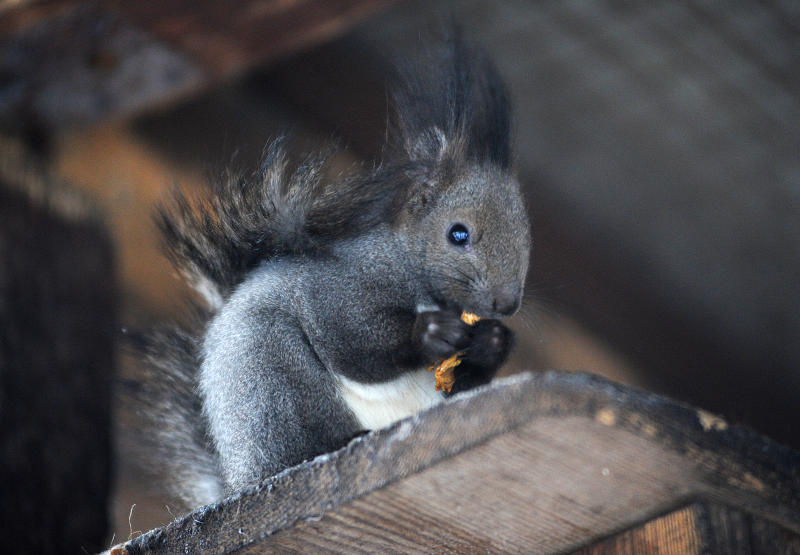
(458, 99)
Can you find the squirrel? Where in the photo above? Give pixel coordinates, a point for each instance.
(329, 298)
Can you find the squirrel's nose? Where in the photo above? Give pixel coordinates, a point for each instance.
(506, 300)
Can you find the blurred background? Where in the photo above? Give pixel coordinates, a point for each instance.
(658, 144)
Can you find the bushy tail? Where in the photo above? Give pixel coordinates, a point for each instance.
(215, 240)
(175, 430)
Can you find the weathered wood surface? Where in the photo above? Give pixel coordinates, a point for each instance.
(64, 62)
(57, 330)
(534, 463)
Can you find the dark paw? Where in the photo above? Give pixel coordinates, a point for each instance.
(440, 334)
(490, 344)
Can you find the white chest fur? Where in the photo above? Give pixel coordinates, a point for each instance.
(378, 405)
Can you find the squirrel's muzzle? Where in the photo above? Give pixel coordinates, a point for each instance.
(506, 300)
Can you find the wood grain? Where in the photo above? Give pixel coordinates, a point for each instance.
(534, 463)
(700, 528)
(674, 533)
(558, 489)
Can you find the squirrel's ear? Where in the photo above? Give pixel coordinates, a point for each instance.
(454, 100)
(420, 197)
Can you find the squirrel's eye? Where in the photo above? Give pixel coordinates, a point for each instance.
(458, 235)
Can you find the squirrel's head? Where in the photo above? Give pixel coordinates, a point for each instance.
(469, 235)
(463, 213)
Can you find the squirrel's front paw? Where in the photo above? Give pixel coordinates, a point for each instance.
(440, 334)
(490, 343)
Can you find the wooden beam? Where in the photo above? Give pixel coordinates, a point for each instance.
(83, 63)
(64, 63)
(537, 462)
(227, 37)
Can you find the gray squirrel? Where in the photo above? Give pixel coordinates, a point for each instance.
(328, 298)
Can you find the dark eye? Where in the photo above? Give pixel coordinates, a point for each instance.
(458, 235)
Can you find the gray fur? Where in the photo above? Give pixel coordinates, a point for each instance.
(175, 430)
(321, 288)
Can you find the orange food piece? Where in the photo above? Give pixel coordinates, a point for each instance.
(469, 318)
(443, 371)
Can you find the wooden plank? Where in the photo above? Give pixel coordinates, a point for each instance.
(227, 37)
(65, 63)
(82, 63)
(557, 488)
(543, 462)
(18, 15)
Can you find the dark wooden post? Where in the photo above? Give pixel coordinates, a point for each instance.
(56, 365)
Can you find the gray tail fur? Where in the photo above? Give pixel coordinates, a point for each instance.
(277, 210)
(175, 429)
(215, 240)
